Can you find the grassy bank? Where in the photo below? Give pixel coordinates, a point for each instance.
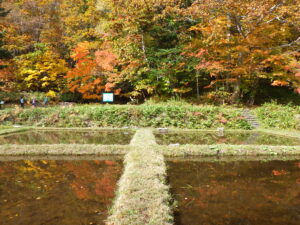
(142, 196)
(228, 150)
(170, 114)
(62, 149)
(8, 130)
(156, 115)
(273, 115)
(169, 151)
(261, 158)
(287, 133)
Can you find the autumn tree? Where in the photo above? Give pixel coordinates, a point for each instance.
(4, 54)
(79, 19)
(40, 70)
(93, 72)
(240, 42)
(148, 37)
(29, 17)
(154, 47)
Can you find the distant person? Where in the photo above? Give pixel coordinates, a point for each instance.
(33, 102)
(46, 101)
(1, 104)
(22, 102)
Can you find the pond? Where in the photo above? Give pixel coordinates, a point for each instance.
(57, 192)
(69, 136)
(229, 137)
(241, 192)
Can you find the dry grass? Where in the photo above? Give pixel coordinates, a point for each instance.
(143, 196)
(143, 137)
(10, 130)
(62, 149)
(227, 150)
(263, 158)
(288, 133)
(61, 157)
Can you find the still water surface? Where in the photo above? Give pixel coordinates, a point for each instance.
(57, 192)
(236, 193)
(36, 137)
(229, 137)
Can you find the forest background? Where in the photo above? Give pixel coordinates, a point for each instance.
(208, 51)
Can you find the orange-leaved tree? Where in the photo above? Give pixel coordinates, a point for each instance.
(93, 73)
(245, 41)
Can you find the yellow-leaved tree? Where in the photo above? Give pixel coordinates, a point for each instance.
(40, 70)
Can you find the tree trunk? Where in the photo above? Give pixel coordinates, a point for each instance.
(197, 85)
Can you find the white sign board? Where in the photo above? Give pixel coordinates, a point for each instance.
(108, 97)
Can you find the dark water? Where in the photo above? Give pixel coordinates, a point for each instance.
(57, 192)
(105, 137)
(236, 193)
(237, 138)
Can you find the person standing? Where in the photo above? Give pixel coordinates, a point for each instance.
(1, 104)
(46, 101)
(33, 102)
(22, 102)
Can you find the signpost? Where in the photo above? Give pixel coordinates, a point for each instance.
(108, 98)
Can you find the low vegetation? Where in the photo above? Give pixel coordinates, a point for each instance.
(273, 115)
(168, 114)
(154, 115)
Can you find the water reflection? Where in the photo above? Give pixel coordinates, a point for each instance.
(104, 137)
(248, 193)
(229, 137)
(57, 192)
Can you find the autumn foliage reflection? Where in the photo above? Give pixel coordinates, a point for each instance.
(67, 192)
(236, 192)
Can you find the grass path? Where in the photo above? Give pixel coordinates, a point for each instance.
(143, 196)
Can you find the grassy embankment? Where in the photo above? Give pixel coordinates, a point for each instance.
(157, 115)
(142, 196)
(62, 149)
(8, 129)
(276, 116)
(172, 114)
(223, 150)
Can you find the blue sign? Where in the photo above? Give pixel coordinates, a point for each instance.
(108, 97)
